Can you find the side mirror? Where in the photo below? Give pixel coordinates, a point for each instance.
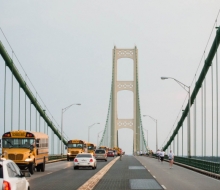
(38, 143)
(25, 174)
(31, 147)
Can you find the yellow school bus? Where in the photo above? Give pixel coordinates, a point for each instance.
(104, 147)
(90, 147)
(118, 150)
(29, 150)
(75, 147)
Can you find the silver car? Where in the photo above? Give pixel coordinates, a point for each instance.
(84, 160)
(100, 154)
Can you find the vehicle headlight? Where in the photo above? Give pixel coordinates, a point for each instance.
(68, 153)
(28, 160)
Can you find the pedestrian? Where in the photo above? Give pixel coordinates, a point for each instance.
(120, 154)
(171, 159)
(141, 153)
(162, 153)
(158, 154)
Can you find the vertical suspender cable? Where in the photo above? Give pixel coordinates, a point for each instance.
(12, 95)
(25, 103)
(39, 122)
(19, 107)
(177, 143)
(4, 97)
(182, 140)
(212, 105)
(30, 115)
(202, 118)
(216, 54)
(205, 117)
(195, 124)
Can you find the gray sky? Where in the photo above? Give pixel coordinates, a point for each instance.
(65, 47)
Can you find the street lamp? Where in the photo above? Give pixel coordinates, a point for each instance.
(155, 120)
(98, 137)
(63, 110)
(189, 128)
(89, 129)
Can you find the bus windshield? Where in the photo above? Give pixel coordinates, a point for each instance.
(17, 142)
(90, 147)
(75, 145)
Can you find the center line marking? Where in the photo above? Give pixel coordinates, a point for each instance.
(163, 186)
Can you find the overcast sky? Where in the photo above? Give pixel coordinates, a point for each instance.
(65, 47)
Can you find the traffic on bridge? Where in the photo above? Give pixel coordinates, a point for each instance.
(109, 95)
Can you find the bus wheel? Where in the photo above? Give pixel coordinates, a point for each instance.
(38, 167)
(31, 168)
(68, 158)
(42, 166)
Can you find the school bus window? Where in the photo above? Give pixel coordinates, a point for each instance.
(17, 143)
(75, 145)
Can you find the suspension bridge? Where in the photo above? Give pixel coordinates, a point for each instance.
(198, 142)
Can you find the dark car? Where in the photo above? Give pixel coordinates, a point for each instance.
(110, 154)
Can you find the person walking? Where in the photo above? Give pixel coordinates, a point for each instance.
(171, 159)
(158, 155)
(162, 154)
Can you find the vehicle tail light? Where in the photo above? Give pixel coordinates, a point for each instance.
(6, 185)
(75, 160)
(91, 160)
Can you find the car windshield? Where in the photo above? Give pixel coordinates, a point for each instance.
(100, 151)
(84, 156)
(17, 142)
(75, 145)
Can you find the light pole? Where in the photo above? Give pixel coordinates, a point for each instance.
(98, 137)
(89, 129)
(63, 110)
(189, 128)
(155, 120)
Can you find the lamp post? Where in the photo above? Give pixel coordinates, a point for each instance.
(89, 129)
(98, 137)
(189, 128)
(155, 120)
(63, 110)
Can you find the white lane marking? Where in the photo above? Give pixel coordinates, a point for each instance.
(163, 187)
(154, 176)
(149, 170)
(91, 183)
(50, 173)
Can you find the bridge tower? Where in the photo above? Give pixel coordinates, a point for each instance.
(117, 123)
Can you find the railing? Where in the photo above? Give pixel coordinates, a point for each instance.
(55, 157)
(212, 167)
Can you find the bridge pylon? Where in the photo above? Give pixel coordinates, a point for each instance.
(117, 123)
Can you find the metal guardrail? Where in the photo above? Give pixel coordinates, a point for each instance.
(55, 157)
(213, 167)
(209, 166)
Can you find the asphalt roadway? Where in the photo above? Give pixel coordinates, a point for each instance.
(178, 178)
(61, 176)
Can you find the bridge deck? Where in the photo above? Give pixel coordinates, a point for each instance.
(142, 172)
(128, 174)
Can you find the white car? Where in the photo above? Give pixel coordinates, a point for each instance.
(11, 178)
(84, 160)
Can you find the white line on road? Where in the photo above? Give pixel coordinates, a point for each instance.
(50, 173)
(154, 176)
(163, 187)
